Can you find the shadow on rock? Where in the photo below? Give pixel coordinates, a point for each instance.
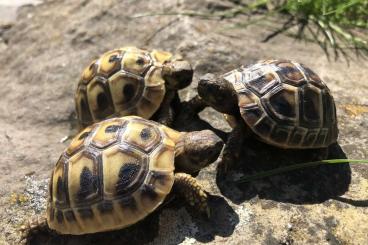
(196, 124)
(175, 226)
(304, 186)
(222, 222)
(140, 233)
(355, 203)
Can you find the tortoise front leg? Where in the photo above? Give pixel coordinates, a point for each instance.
(194, 105)
(188, 187)
(188, 110)
(231, 151)
(33, 226)
(165, 115)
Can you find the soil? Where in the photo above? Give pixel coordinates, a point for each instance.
(42, 53)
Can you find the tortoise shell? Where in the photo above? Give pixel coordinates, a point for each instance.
(125, 81)
(285, 104)
(113, 174)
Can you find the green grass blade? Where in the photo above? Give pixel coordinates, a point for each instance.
(341, 8)
(298, 166)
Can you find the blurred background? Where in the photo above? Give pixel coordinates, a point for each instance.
(44, 45)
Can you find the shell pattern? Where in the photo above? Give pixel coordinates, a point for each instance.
(285, 103)
(125, 81)
(113, 174)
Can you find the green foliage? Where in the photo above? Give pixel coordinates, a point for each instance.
(331, 23)
(286, 169)
(338, 24)
(353, 13)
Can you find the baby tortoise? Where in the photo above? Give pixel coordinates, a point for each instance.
(281, 102)
(116, 172)
(131, 81)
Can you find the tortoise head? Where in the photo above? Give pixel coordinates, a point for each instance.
(177, 73)
(218, 93)
(200, 148)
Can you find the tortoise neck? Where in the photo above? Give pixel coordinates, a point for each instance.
(182, 161)
(179, 146)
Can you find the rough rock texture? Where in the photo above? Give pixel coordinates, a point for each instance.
(41, 57)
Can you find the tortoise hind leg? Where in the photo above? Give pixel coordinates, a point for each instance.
(33, 226)
(188, 187)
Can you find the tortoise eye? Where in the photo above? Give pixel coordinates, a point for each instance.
(102, 101)
(128, 92)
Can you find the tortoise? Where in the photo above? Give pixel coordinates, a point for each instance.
(281, 102)
(117, 171)
(131, 81)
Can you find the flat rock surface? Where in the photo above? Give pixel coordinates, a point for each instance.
(41, 57)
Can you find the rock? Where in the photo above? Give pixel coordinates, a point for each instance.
(46, 50)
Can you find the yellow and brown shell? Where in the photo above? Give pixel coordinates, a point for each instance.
(286, 104)
(113, 174)
(125, 81)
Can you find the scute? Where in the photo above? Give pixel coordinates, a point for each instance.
(161, 56)
(83, 178)
(263, 83)
(114, 174)
(79, 140)
(125, 81)
(285, 103)
(99, 100)
(142, 135)
(108, 133)
(136, 62)
(82, 108)
(89, 72)
(290, 73)
(312, 105)
(126, 91)
(117, 160)
(313, 77)
(59, 192)
(110, 62)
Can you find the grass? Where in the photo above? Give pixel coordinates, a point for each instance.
(286, 169)
(336, 25)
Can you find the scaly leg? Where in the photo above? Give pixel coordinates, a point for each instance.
(195, 104)
(165, 115)
(188, 110)
(31, 227)
(188, 187)
(187, 118)
(231, 151)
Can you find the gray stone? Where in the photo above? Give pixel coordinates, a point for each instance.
(45, 52)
